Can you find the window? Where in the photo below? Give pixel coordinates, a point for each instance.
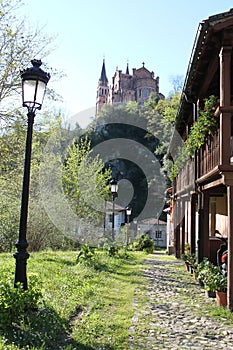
(144, 92)
(158, 234)
(140, 93)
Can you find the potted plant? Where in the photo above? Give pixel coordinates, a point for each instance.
(185, 257)
(206, 274)
(192, 262)
(200, 271)
(221, 289)
(216, 283)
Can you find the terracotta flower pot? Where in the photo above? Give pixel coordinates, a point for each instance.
(221, 298)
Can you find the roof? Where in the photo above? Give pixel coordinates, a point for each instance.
(103, 76)
(127, 69)
(117, 207)
(204, 61)
(143, 72)
(152, 221)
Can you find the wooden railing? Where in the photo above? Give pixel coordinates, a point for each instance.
(209, 155)
(185, 180)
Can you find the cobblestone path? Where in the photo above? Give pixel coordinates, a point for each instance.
(176, 314)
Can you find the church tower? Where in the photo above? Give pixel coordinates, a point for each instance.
(102, 89)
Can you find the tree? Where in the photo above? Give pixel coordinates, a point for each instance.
(18, 45)
(120, 133)
(12, 140)
(161, 123)
(85, 183)
(177, 83)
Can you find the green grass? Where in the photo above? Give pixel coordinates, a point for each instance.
(85, 306)
(89, 305)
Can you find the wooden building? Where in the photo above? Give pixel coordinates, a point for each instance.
(203, 189)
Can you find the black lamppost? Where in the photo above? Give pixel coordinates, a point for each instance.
(128, 213)
(34, 81)
(114, 189)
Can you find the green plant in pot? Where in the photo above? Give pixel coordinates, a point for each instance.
(215, 282)
(220, 285)
(192, 260)
(206, 275)
(186, 258)
(200, 270)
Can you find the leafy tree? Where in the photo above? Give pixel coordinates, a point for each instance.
(85, 183)
(41, 233)
(161, 123)
(126, 123)
(19, 44)
(177, 83)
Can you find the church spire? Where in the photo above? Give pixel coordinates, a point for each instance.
(102, 89)
(103, 76)
(127, 68)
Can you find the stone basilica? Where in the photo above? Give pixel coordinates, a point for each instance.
(126, 87)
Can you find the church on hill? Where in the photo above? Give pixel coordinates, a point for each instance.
(126, 87)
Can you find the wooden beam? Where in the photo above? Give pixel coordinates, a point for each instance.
(225, 101)
(228, 109)
(193, 223)
(209, 74)
(223, 25)
(206, 242)
(203, 225)
(230, 248)
(212, 184)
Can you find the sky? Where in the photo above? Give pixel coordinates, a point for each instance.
(160, 33)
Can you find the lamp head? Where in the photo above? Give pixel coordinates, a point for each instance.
(34, 82)
(128, 211)
(113, 186)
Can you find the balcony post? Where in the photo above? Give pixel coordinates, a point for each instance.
(225, 101)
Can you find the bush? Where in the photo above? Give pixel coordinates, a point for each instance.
(85, 255)
(14, 302)
(144, 243)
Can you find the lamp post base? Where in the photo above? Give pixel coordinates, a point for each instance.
(21, 257)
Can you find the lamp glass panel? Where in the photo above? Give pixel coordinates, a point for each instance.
(29, 87)
(114, 188)
(40, 92)
(128, 211)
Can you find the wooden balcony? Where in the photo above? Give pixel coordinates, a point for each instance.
(209, 155)
(185, 181)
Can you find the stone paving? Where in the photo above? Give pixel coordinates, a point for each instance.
(176, 314)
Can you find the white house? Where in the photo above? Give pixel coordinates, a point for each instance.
(119, 216)
(157, 230)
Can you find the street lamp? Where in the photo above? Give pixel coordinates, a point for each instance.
(34, 81)
(128, 213)
(114, 189)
